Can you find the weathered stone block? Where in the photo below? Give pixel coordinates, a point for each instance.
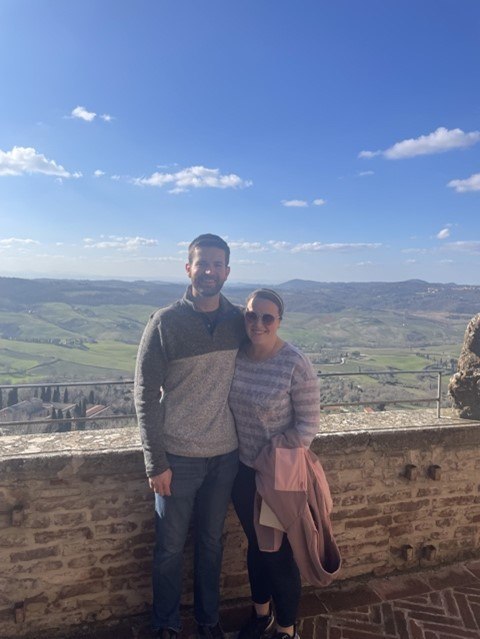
(86, 588)
(63, 534)
(119, 528)
(368, 523)
(35, 553)
(69, 519)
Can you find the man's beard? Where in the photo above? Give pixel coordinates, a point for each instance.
(208, 291)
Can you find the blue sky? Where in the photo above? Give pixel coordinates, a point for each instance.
(329, 140)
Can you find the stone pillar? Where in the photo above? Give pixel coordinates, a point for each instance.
(464, 386)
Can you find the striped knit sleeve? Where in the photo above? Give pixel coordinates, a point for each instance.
(305, 395)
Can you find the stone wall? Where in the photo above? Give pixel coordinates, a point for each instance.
(76, 514)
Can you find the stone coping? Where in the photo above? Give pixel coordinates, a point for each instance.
(357, 429)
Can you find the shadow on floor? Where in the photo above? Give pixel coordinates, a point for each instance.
(437, 604)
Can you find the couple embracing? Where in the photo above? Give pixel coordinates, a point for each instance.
(214, 385)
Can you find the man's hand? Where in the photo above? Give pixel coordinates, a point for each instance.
(161, 483)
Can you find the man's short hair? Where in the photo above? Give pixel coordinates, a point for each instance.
(209, 239)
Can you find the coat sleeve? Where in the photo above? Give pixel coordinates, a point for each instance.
(150, 374)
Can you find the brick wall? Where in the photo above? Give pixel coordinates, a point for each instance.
(76, 529)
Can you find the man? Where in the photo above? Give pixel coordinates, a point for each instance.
(185, 365)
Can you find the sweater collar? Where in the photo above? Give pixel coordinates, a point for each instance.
(188, 299)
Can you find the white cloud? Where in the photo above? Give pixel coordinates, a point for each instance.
(81, 113)
(421, 251)
(364, 264)
(411, 261)
(142, 258)
(98, 173)
(21, 160)
(468, 247)
(115, 178)
(438, 141)
(295, 203)
(319, 246)
(303, 203)
(194, 177)
(443, 234)
(284, 246)
(251, 247)
(119, 243)
(469, 184)
(369, 154)
(279, 245)
(365, 173)
(249, 262)
(16, 241)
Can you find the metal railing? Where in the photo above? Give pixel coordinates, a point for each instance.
(111, 382)
(124, 382)
(407, 400)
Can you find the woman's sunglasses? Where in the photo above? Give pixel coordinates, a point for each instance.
(267, 319)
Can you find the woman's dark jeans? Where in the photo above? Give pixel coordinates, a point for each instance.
(273, 575)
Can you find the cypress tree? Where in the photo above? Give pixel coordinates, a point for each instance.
(12, 397)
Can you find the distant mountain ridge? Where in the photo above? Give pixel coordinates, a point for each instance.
(410, 295)
(17, 294)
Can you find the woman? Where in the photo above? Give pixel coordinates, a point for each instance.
(274, 389)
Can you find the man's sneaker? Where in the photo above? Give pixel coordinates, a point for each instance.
(210, 632)
(258, 627)
(167, 633)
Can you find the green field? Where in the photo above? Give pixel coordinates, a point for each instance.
(61, 341)
(22, 362)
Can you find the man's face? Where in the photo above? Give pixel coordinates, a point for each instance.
(207, 270)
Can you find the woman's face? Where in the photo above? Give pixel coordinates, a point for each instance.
(260, 328)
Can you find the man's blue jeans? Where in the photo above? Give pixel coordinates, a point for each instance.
(200, 487)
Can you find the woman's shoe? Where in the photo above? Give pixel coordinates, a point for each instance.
(285, 635)
(258, 627)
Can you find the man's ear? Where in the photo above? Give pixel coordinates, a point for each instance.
(188, 267)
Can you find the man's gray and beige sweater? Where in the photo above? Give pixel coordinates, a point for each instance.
(184, 370)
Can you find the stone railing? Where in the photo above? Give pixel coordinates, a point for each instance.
(76, 515)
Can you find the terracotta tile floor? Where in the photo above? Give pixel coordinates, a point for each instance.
(439, 604)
